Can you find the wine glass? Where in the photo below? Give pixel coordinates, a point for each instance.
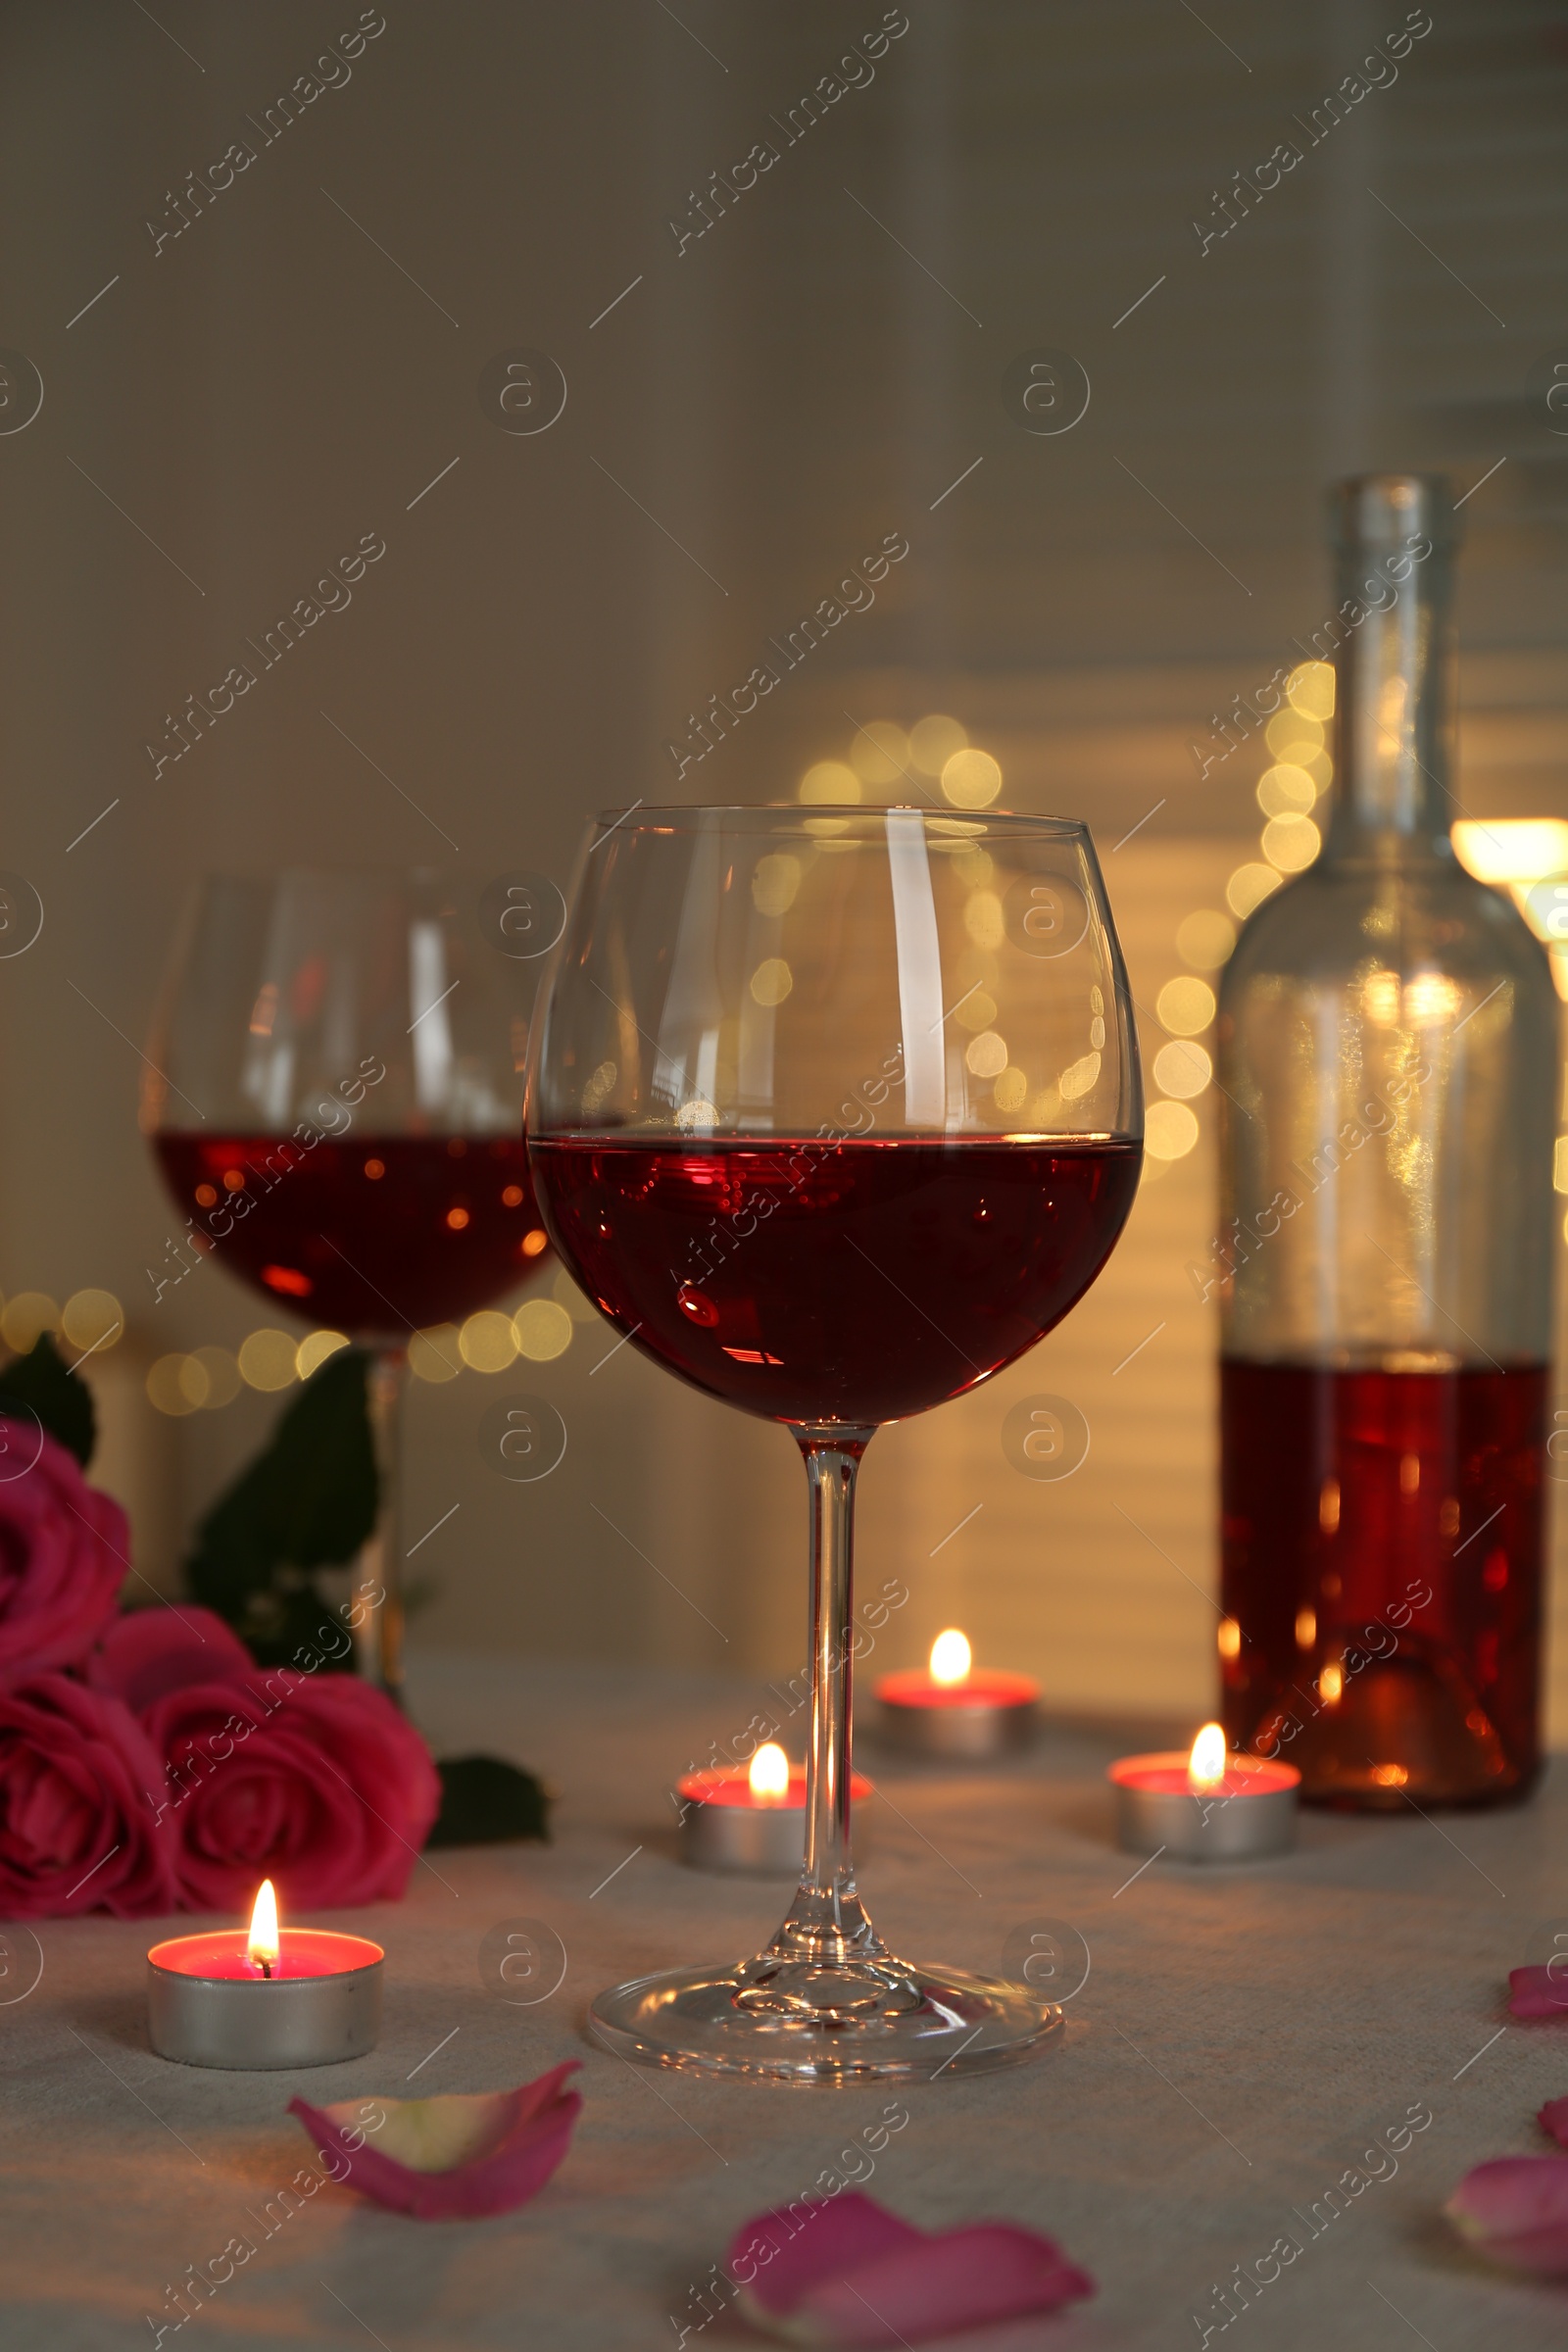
(332, 1092)
(834, 1113)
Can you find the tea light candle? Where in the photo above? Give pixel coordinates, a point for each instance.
(1208, 1806)
(752, 1817)
(265, 1998)
(953, 1712)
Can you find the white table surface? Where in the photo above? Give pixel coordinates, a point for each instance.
(1242, 2035)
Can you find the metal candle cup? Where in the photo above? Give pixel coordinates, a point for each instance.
(209, 2004)
(725, 1826)
(1242, 1817)
(983, 1715)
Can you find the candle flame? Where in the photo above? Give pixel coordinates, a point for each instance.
(260, 1946)
(951, 1657)
(1205, 1767)
(769, 1775)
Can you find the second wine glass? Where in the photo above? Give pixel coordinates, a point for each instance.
(332, 1092)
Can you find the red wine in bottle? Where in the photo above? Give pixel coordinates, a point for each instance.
(1387, 1066)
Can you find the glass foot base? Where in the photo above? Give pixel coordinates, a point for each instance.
(797, 2021)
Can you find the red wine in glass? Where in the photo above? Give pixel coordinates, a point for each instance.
(380, 1234)
(1383, 1557)
(332, 1091)
(855, 1280)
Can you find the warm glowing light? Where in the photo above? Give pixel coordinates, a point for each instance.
(769, 1776)
(829, 783)
(1431, 998)
(1185, 1006)
(167, 1388)
(1249, 887)
(879, 751)
(1286, 790)
(92, 1320)
(1170, 1130)
(29, 1314)
(987, 1055)
(1291, 843)
(269, 1360)
(1182, 1068)
(220, 1371)
(543, 1330)
(1205, 1766)
(1205, 939)
(487, 1341)
(534, 1241)
(774, 883)
(315, 1349)
(1306, 1627)
(261, 1945)
(971, 779)
(1079, 1078)
(1310, 689)
(933, 740)
(950, 1658)
(1512, 849)
(1290, 732)
(1331, 1682)
(771, 981)
(434, 1355)
(1230, 1637)
(1380, 999)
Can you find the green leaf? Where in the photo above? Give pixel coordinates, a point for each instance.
(309, 1500)
(62, 1401)
(486, 1802)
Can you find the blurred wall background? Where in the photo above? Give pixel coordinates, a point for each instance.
(240, 380)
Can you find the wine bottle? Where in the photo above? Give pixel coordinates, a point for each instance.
(1388, 1060)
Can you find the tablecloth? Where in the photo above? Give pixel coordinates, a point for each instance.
(1243, 2038)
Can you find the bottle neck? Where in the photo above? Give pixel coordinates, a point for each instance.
(1392, 721)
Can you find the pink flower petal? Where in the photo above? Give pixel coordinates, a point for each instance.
(1553, 2118)
(65, 1550)
(1538, 1991)
(149, 1653)
(780, 2256)
(1516, 2210)
(846, 2272)
(450, 2158)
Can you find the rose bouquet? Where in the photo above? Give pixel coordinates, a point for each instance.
(147, 1763)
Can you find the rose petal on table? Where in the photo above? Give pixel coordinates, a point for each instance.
(787, 2252)
(1516, 2210)
(1553, 2118)
(1537, 1993)
(849, 2272)
(450, 2158)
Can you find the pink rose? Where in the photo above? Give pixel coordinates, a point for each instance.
(314, 1781)
(64, 1551)
(78, 1821)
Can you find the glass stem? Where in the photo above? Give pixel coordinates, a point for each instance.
(377, 1615)
(827, 1922)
